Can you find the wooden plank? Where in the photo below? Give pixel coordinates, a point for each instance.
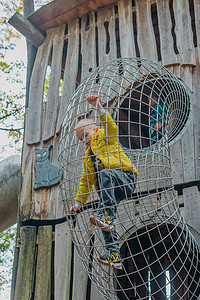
(127, 44)
(192, 207)
(187, 145)
(34, 111)
(80, 279)
(187, 140)
(71, 68)
(183, 30)
(88, 45)
(62, 263)
(177, 71)
(106, 34)
(145, 33)
(196, 118)
(176, 162)
(39, 197)
(95, 293)
(43, 268)
(186, 74)
(82, 238)
(27, 29)
(53, 197)
(26, 184)
(107, 50)
(54, 83)
(15, 264)
(197, 23)
(46, 202)
(62, 11)
(26, 264)
(31, 50)
(166, 39)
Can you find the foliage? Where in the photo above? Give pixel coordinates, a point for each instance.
(9, 35)
(7, 239)
(12, 95)
(12, 87)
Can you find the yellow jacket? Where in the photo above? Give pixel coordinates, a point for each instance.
(104, 144)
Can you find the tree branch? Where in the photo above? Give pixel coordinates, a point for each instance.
(11, 129)
(12, 113)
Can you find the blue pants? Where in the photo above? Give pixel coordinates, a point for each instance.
(115, 185)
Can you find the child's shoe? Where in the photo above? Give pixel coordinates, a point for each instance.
(113, 260)
(102, 221)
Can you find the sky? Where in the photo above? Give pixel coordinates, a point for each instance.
(19, 53)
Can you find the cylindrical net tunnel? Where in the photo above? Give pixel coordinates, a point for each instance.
(151, 107)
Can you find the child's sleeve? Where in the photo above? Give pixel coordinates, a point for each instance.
(85, 186)
(110, 128)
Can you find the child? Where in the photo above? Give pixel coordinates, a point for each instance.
(156, 119)
(106, 166)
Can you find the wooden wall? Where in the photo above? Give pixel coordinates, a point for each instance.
(169, 36)
(165, 31)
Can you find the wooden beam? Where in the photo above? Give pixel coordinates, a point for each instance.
(31, 50)
(27, 29)
(62, 11)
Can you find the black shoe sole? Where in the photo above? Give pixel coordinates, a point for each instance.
(109, 263)
(99, 224)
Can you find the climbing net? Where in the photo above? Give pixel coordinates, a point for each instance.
(151, 107)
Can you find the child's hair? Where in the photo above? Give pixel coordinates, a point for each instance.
(86, 122)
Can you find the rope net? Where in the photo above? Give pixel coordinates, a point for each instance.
(151, 107)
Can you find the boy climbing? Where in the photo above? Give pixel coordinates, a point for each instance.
(107, 167)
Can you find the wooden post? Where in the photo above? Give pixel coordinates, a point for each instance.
(26, 264)
(31, 49)
(43, 269)
(26, 28)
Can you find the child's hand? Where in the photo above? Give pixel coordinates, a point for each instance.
(94, 100)
(158, 127)
(73, 210)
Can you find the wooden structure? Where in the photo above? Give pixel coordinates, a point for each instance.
(9, 182)
(81, 35)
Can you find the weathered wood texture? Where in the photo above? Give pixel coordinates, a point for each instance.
(197, 23)
(88, 45)
(81, 278)
(26, 264)
(54, 83)
(183, 30)
(168, 54)
(146, 37)
(71, 69)
(26, 28)
(196, 118)
(34, 110)
(43, 268)
(192, 207)
(106, 34)
(67, 10)
(126, 29)
(62, 261)
(31, 50)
